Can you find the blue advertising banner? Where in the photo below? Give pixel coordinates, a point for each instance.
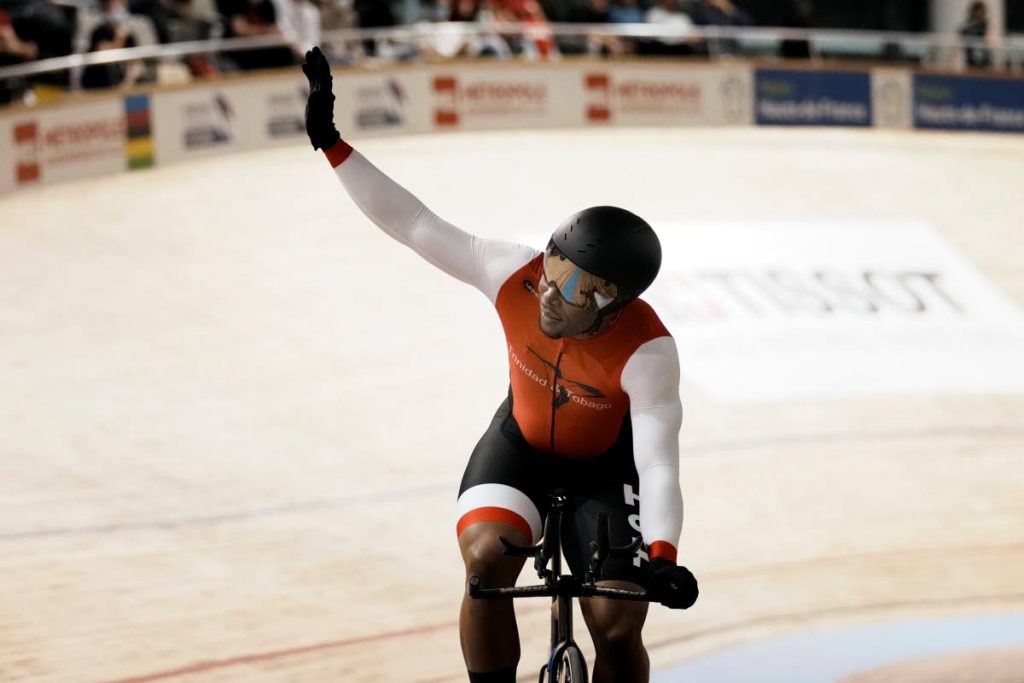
(813, 98)
(969, 103)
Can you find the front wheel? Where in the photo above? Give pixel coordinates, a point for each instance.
(572, 668)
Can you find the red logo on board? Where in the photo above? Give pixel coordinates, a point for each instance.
(445, 91)
(598, 87)
(26, 144)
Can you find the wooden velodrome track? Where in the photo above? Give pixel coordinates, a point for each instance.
(234, 416)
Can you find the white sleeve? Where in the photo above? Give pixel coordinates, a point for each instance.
(651, 379)
(483, 263)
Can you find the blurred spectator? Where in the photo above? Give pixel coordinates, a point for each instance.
(161, 13)
(338, 15)
(450, 40)
(113, 34)
(198, 20)
(720, 13)
(374, 14)
(487, 41)
(595, 42)
(48, 27)
(626, 12)
(666, 14)
(536, 40)
(975, 32)
(593, 12)
(13, 50)
(796, 14)
(252, 18)
(463, 10)
(431, 11)
(299, 21)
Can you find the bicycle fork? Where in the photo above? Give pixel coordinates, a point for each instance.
(561, 623)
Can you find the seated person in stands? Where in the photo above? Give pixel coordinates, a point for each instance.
(452, 41)
(252, 18)
(667, 14)
(536, 40)
(430, 11)
(796, 14)
(299, 21)
(464, 10)
(597, 42)
(113, 34)
(374, 14)
(586, 12)
(161, 13)
(592, 12)
(13, 50)
(626, 12)
(720, 13)
(975, 32)
(48, 27)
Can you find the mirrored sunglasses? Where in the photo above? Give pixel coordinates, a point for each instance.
(577, 286)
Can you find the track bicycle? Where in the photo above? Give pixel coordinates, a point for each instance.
(566, 663)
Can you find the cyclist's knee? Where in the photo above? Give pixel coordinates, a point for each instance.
(615, 626)
(617, 635)
(481, 553)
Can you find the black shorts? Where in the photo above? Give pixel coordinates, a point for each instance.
(507, 480)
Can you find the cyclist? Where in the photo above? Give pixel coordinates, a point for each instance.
(593, 406)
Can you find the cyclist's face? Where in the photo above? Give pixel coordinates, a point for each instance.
(558, 317)
(570, 297)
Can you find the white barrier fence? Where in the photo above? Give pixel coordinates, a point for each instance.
(94, 135)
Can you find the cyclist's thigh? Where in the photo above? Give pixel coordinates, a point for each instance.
(611, 487)
(505, 481)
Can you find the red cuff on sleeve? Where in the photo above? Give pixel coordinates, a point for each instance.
(338, 153)
(663, 549)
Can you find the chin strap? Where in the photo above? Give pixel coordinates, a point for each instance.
(612, 311)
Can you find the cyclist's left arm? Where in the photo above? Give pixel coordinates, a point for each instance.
(651, 379)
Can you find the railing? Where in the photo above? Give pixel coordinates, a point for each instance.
(930, 50)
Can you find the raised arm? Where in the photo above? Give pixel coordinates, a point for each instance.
(483, 263)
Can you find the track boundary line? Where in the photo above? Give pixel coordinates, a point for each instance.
(401, 495)
(270, 655)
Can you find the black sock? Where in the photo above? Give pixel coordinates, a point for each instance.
(499, 676)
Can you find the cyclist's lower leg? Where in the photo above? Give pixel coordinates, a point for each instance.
(487, 628)
(622, 663)
(616, 628)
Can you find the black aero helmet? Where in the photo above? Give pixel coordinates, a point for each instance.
(614, 244)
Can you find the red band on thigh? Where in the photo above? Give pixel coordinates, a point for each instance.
(495, 514)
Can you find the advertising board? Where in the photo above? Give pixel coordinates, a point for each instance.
(668, 96)
(812, 98)
(969, 103)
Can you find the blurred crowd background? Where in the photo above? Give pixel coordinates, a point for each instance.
(39, 29)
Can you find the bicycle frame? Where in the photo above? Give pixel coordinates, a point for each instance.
(561, 588)
(561, 619)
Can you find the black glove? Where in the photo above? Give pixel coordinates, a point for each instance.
(320, 105)
(671, 585)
